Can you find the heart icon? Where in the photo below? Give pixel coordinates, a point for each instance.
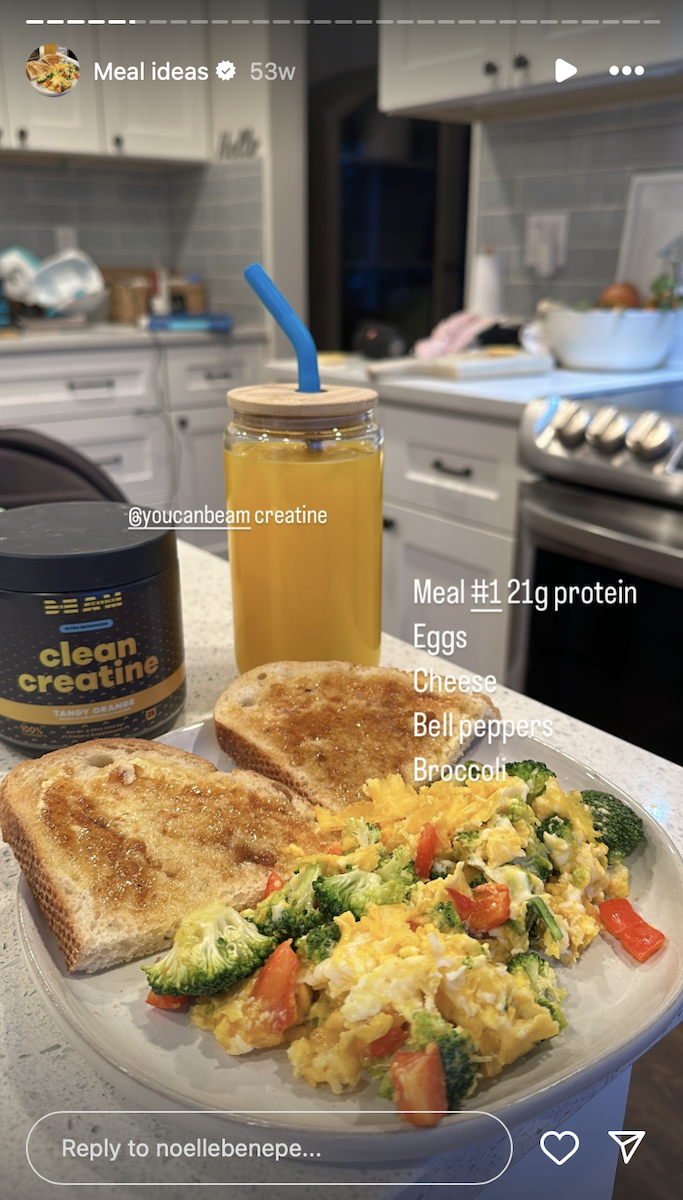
(559, 1137)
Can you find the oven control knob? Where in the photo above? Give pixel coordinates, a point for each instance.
(571, 424)
(607, 431)
(650, 436)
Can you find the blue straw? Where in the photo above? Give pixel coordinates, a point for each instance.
(293, 326)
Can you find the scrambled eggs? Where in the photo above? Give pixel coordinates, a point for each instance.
(413, 952)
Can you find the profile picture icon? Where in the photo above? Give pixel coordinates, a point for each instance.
(53, 70)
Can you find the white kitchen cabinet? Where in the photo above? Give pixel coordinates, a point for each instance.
(198, 377)
(450, 486)
(419, 545)
(152, 416)
(4, 118)
(456, 466)
(593, 47)
(155, 118)
(134, 449)
(199, 470)
(68, 384)
(37, 121)
(421, 63)
(468, 67)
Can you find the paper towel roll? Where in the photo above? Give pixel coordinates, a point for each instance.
(486, 290)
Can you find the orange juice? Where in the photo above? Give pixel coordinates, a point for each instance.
(306, 574)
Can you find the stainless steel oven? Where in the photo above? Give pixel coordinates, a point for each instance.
(599, 629)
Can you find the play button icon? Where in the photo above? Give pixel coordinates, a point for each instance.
(564, 70)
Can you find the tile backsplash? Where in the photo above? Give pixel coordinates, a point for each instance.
(580, 164)
(215, 230)
(204, 220)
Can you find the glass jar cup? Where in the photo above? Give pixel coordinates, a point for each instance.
(304, 480)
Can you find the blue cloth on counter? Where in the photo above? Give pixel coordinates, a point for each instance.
(192, 322)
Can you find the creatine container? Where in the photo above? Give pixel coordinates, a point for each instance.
(91, 641)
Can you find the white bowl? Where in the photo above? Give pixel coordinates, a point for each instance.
(629, 339)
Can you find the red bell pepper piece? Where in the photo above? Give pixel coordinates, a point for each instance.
(276, 986)
(488, 907)
(388, 1042)
(463, 905)
(639, 939)
(419, 1085)
(273, 884)
(424, 856)
(169, 1003)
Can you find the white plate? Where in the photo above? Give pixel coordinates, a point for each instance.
(58, 95)
(616, 1009)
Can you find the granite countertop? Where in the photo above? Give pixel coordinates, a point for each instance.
(41, 1072)
(501, 399)
(114, 336)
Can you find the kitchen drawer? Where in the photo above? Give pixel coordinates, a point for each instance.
(453, 465)
(420, 546)
(201, 376)
(134, 449)
(42, 386)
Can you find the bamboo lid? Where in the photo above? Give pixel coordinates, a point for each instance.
(283, 400)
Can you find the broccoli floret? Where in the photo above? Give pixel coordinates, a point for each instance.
(440, 868)
(319, 942)
(398, 867)
(478, 880)
(468, 836)
(537, 908)
(213, 949)
(457, 1050)
(519, 810)
(557, 826)
(535, 774)
(291, 911)
(353, 891)
(535, 858)
(445, 917)
(543, 982)
(615, 824)
(362, 832)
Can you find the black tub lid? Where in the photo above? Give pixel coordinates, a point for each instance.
(78, 546)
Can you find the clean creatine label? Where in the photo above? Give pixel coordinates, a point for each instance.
(90, 664)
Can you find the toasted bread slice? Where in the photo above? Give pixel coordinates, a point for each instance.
(120, 838)
(324, 728)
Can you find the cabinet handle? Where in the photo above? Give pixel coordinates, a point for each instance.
(459, 472)
(490, 68)
(183, 423)
(22, 134)
(118, 142)
(520, 62)
(86, 385)
(211, 376)
(112, 461)
(388, 523)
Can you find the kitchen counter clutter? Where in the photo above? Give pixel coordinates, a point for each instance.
(499, 399)
(43, 1073)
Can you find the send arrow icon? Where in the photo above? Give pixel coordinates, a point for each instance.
(564, 70)
(628, 1141)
